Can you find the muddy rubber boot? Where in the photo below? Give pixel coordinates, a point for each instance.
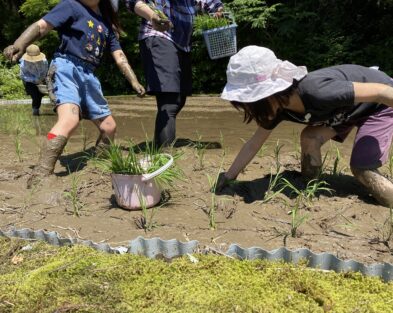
(380, 187)
(50, 152)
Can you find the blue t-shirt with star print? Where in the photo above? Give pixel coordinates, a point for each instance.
(83, 33)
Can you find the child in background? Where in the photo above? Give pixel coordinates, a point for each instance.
(330, 101)
(87, 28)
(33, 68)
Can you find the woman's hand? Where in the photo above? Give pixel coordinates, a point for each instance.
(160, 24)
(139, 89)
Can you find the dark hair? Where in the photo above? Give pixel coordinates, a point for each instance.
(109, 13)
(261, 109)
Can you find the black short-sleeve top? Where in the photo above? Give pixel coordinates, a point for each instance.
(328, 95)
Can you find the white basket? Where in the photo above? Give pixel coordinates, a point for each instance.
(221, 42)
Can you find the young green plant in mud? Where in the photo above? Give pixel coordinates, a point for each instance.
(200, 151)
(212, 181)
(146, 220)
(296, 145)
(72, 195)
(138, 161)
(274, 179)
(18, 145)
(387, 231)
(336, 170)
(303, 198)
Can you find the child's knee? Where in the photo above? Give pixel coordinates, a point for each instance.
(108, 127)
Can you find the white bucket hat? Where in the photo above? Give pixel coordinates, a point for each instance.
(255, 73)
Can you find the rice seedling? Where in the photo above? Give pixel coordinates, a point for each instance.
(72, 195)
(337, 170)
(205, 22)
(212, 181)
(296, 145)
(138, 162)
(388, 226)
(297, 220)
(311, 191)
(200, 151)
(303, 198)
(152, 4)
(276, 155)
(18, 145)
(274, 179)
(261, 151)
(146, 220)
(272, 191)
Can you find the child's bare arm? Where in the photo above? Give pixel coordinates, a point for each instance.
(35, 31)
(373, 92)
(125, 68)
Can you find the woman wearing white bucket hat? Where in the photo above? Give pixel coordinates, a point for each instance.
(330, 101)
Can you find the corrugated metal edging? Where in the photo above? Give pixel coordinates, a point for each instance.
(169, 249)
(151, 248)
(323, 261)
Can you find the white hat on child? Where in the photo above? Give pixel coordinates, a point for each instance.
(255, 73)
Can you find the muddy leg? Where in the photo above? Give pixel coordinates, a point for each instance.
(68, 120)
(380, 187)
(107, 128)
(311, 140)
(50, 152)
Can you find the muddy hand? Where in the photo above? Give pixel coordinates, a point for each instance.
(12, 53)
(140, 90)
(161, 24)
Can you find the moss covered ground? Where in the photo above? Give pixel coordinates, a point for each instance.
(44, 278)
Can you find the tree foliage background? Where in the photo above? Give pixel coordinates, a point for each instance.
(315, 33)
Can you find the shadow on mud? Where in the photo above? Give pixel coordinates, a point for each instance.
(342, 186)
(180, 142)
(75, 162)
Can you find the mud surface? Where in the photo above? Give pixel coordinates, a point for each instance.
(346, 222)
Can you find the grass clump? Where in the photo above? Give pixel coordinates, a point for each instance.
(138, 161)
(79, 279)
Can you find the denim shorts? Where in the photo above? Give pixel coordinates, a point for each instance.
(74, 82)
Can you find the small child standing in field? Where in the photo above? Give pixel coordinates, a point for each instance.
(33, 68)
(87, 28)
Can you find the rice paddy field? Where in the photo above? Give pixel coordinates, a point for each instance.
(270, 206)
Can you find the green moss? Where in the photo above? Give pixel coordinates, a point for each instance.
(79, 279)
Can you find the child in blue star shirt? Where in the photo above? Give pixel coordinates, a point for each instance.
(87, 28)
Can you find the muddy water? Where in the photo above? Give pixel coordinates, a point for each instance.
(347, 222)
(208, 118)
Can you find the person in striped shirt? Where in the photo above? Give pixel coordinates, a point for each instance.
(165, 46)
